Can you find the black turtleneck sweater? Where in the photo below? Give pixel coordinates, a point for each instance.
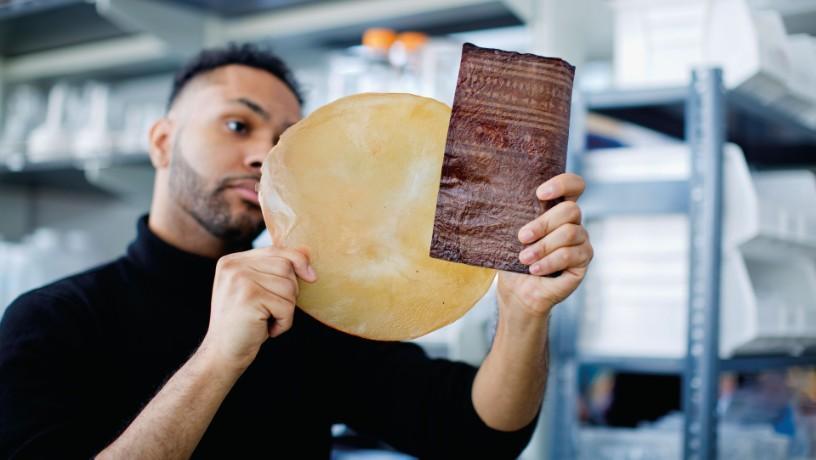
(81, 357)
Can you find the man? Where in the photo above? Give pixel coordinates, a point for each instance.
(191, 345)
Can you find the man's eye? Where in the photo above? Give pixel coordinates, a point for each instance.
(237, 126)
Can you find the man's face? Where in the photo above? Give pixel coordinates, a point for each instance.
(226, 121)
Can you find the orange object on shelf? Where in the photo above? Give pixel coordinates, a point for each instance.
(379, 39)
(412, 40)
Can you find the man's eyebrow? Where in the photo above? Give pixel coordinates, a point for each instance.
(254, 106)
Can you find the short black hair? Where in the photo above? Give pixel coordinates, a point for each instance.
(247, 54)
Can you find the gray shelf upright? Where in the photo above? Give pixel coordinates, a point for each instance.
(705, 133)
(705, 102)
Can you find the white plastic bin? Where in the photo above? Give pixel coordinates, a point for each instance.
(658, 42)
(637, 286)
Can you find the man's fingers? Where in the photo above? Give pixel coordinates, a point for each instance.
(297, 259)
(279, 306)
(282, 315)
(284, 287)
(566, 212)
(563, 236)
(562, 259)
(271, 265)
(567, 185)
(300, 262)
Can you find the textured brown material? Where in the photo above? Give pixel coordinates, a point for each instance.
(507, 135)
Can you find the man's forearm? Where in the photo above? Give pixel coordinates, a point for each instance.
(510, 384)
(174, 421)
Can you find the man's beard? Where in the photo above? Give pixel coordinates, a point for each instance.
(210, 208)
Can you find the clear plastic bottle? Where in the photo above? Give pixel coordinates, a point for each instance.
(378, 74)
(405, 56)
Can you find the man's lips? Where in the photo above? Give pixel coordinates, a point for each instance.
(245, 188)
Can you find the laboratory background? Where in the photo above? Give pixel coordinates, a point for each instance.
(693, 123)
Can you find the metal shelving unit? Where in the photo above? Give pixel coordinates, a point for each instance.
(705, 101)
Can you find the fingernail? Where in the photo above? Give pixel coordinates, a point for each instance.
(526, 235)
(526, 256)
(311, 272)
(535, 269)
(546, 191)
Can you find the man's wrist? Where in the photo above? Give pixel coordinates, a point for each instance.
(209, 361)
(515, 314)
(519, 329)
(522, 325)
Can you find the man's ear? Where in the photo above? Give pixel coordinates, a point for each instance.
(160, 140)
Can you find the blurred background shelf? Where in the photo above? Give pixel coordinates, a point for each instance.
(72, 174)
(677, 366)
(116, 38)
(636, 365)
(625, 98)
(754, 363)
(603, 199)
(622, 99)
(769, 136)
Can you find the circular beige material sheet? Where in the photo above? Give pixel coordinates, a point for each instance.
(356, 181)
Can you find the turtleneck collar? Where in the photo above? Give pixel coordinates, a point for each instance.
(163, 260)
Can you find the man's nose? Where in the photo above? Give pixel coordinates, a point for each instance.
(255, 159)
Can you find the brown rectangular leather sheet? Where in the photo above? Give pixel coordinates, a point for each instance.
(507, 135)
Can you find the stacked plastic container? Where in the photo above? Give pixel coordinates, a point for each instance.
(88, 123)
(637, 288)
(658, 42)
